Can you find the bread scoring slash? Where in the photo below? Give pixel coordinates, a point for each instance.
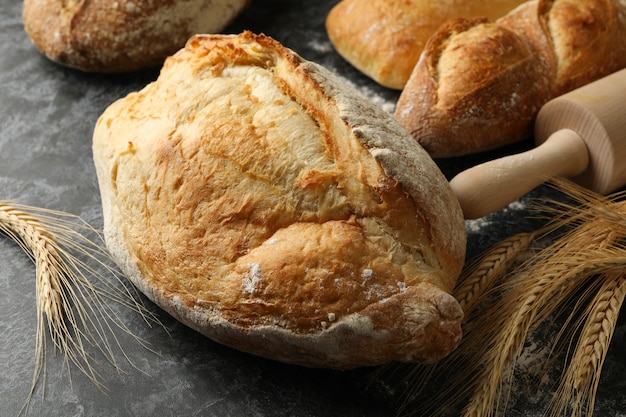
(479, 85)
(264, 203)
(384, 38)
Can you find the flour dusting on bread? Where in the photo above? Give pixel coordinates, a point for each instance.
(274, 209)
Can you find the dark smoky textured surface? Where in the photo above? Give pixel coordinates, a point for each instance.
(47, 115)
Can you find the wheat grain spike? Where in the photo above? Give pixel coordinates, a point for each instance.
(474, 287)
(481, 277)
(576, 272)
(579, 384)
(74, 299)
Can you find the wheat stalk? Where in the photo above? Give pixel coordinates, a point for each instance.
(596, 337)
(505, 342)
(492, 265)
(507, 306)
(76, 310)
(537, 292)
(473, 288)
(580, 381)
(33, 238)
(541, 287)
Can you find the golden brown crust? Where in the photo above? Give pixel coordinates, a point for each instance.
(270, 207)
(384, 38)
(121, 35)
(480, 85)
(588, 39)
(463, 86)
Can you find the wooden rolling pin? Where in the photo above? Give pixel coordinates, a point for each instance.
(580, 135)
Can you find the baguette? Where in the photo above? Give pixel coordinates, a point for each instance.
(121, 35)
(479, 85)
(267, 205)
(384, 38)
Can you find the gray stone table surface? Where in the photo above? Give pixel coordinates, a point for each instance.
(47, 114)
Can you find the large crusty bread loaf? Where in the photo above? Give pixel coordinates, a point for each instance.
(262, 202)
(479, 85)
(384, 38)
(121, 35)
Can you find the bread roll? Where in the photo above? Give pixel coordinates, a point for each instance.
(272, 208)
(480, 85)
(384, 38)
(121, 35)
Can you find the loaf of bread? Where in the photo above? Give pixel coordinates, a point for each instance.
(479, 85)
(384, 38)
(272, 208)
(121, 35)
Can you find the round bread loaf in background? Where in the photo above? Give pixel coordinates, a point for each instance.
(121, 35)
(261, 201)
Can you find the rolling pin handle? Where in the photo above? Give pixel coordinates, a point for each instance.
(490, 186)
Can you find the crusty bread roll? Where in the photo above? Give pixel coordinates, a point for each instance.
(480, 85)
(121, 35)
(384, 38)
(272, 208)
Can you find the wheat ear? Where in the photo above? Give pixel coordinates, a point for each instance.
(542, 286)
(579, 384)
(481, 277)
(76, 310)
(596, 337)
(33, 238)
(562, 276)
(475, 285)
(537, 292)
